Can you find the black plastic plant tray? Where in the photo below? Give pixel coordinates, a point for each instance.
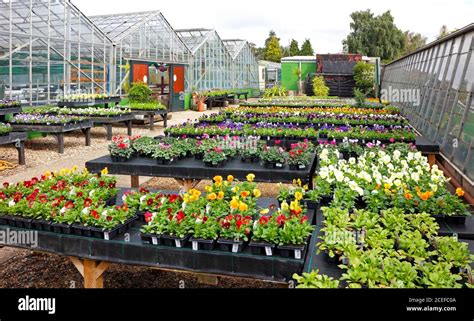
(464, 231)
(262, 248)
(202, 244)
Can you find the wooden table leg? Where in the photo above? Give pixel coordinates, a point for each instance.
(151, 120)
(135, 181)
(92, 272)
(128, 123)
(20, 146)
(60, 137)
(108, 128)
(188, 183)
(165, 120)
(431, 159)
(87, 135)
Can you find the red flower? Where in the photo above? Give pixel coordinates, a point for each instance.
(247, 231)
(143, 190)
(149, 202)
(173, 198)
(6, 184)
(80, 194)
(109, 218)
(180, 216)
(43, 198)
(34, 180)
(2, 196)
(56, 202)
(27, 184)
(95, 214)
(17, 197)
(263, 220)
(239, 223)
(69, 205)
(281, 219)
(87, 202)
(170, 210)
(226, 225)
(121, 145)
(303, 219)
(112, 185)
(277, 142)
(204, 219)
(101, 184)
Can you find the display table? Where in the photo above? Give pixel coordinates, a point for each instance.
(17, 139)
(151, 116)
(188, 172)
(108, 122)
(427, 148)
(58, 131)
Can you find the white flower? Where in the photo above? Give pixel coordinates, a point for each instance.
(338, 175)
(397, 183)
(415, 177)
(371, 155)
(142, 198)
(11, 203)
(353, 185)
(396, 154)
(352, 160)
(91, 193)
(63, 210)
(124, 198)
(85, 210)
(104, 213)
(360, 191)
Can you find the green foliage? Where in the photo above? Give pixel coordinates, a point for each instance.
(364, 77)
(314, 280)
(146, 106)
(413, 41)
(273, 50)
(307, 48)
(359, 98)
(294, 48)
(5, 129)
(140, 92)
(374, 36)
(319, 87)
(275, 91)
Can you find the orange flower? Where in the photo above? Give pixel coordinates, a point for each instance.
(408, 196)
(244, 194)
(459, 192)
(425, 196)
(377, 187)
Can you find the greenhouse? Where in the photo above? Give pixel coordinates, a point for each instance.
(244, 64)
(48, 47)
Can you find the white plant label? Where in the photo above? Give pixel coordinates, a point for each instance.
(298, 254)
(278, 165)
(268, 251)
(235, 248)
(154, 241)
(106, 236)
(195, 246)
(177, 243)
(302, 166)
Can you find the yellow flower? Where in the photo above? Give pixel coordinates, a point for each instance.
(265, 211)
(85, 171)
(305, 187)
(298, 196)
(230, 178)
(244, 194)
(250, 177)
(105, 171)
(284, 206)
(218, 179)
(257, 193)
(220, 195)
(459, 192)
(186, 198)
(212, 196)
(243, 207)
(194, 192)
(236, 189)
(234, 204)
(47, 174)
(208, 189)
(387, 186)
(74, 168)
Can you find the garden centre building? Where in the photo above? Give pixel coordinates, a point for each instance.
(59, 48)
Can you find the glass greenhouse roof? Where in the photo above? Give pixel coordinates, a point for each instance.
(234, 46)
(194, 38)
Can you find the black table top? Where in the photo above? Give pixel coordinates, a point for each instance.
(190, 168)
(11, 110)
(424, 145)
(56, 128)
(13, 137)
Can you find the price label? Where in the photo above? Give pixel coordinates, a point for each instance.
(154, 241)
(298, 254)
(302, 166)
(268, 251)
(106, 236)
(195, 246)
(177, 243)
(279, 165)
(235, 248)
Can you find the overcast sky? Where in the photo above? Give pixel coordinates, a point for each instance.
(325, 22)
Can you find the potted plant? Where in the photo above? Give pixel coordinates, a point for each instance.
(179, 229)
(299, 157)
(120, 149)
(235, 229)
(200, 100)
(273, 157)
(214, 157)
(314, 280)
(205, 232)
(165, 154)
(293, 235)
(265, 236)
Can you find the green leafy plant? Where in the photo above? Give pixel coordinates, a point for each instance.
(273, 154)
(452, 251)
(266, 229)
(206, 227)
(214, 156)
(438, 275)
(364, 77)
(139, 92)
(319, 87)
(314, 280)
(5, 129)
(275, 91)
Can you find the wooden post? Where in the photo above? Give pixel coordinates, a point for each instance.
(20, 146)
(165, 120)
(128, 123)
(207, 279)
(135, 181)
(187, 184)
(108, 128)
(151, 120)
(91, 271)
(431, 159)
(60, 137)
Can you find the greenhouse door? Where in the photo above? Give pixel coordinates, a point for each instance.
(177, 95)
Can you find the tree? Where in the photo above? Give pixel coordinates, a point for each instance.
(272, 48)
(374, 36)
(319, 87)
(294, 48)
(285, 51)
(413, 41)
(306, 48)
(364, 77)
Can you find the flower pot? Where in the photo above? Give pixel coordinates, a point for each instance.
(246, 159)
(230, 245)
(152, 239)
(127, 225)
(298, 167)
(202, 244)
(326, 200)
(210, 164)
(163, 161)
(61, 228)
(291, 251)
(198, 156)
(119, 159)
(37, 224)
(111, 201)
(77, 229)
(176, 241)
(3, 221)
(9, 220)
(273, 165)
(262, 248)
(311, 205)
(335, 259)
(103, 234)
(455, 219)
(201, 107)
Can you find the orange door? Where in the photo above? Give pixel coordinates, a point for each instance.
(140, 71)
(178, 79)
